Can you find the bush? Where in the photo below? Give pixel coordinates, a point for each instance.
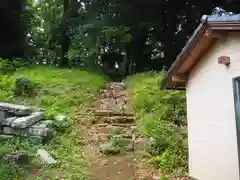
(24, 87)
(162, 116)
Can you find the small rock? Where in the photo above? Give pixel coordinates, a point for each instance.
(19, 158)
(24, 122)
(45, 156)
(61, 118)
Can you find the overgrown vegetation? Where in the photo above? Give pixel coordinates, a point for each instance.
(162, 119)
(59, 91)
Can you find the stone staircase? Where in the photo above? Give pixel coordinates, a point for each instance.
(114, 130)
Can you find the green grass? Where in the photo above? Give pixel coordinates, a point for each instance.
(162, 116)
(60, 91)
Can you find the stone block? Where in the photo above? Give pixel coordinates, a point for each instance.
(27, 132)
(24, 122)
(8, 121)
(18, 110)
(2, 115)
(45, 156)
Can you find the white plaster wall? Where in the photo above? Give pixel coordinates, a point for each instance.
(211, 116)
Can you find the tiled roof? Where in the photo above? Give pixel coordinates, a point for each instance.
(220, 14)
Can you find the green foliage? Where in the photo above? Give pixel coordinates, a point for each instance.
(62, 91)
(24, 87)
(87, 40)
(6, 66)
(162, 116)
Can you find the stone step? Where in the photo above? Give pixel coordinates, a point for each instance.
(116, 124)
(109, 135)
(110, 129)
(118, 119)
(110, 112)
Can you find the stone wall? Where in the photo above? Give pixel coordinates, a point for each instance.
(18, 120)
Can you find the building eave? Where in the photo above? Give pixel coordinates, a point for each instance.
(201, 40)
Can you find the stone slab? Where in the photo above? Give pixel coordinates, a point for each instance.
(24, 122)
(27, 132)
(8, 121)
(18, 110)
(45, 156)
(2, 115)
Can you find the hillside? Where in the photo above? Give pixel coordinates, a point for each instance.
(59, 91)
(162, 119)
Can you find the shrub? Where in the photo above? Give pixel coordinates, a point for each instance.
(24, 86)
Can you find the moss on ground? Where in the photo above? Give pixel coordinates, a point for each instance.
(59, 91)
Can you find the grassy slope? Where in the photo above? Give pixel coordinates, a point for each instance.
(62, 91)
(157, 111)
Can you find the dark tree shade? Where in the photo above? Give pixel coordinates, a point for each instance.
(12, 39)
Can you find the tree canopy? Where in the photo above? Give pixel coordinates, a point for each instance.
(74, 32)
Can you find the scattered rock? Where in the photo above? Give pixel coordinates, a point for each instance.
(45, 156)
(18, 158)
(61, 118)
(109, 148)
(24, 122)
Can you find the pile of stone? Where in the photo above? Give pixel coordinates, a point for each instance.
(18, 120)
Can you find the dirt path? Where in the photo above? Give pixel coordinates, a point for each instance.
(113, 143)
